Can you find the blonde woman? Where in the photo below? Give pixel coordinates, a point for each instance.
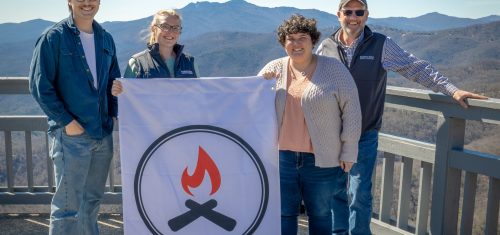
(163, 58)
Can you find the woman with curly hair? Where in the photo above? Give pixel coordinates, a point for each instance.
(319, 121)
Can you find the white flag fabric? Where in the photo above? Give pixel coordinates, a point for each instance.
(199, 156)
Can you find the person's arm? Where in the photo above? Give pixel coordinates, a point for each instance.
(327, 47)
(396, 59)
(320, 50)
(114, 72)
(42, 79)
(348, 101)
(131, 71)
(196, 69)
(271, 70)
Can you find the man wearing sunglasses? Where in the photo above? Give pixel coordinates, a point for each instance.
(369, 56)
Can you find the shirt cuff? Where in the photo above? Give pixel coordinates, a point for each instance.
(349, 152)
(449, 89)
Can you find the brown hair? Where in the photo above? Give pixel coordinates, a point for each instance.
(298, 24)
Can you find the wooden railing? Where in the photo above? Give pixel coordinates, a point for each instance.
(34, 126)
(441, 165)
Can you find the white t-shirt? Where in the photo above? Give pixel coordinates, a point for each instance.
(89, 49)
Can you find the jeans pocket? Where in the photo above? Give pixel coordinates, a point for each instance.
(72, 136)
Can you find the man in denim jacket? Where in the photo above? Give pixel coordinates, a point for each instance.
(73, 67)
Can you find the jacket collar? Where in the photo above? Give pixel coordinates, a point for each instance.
(70, 23)
(155, 50)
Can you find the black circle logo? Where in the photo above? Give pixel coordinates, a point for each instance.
(211, 132)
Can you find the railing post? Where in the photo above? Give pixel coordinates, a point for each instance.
(111, 176)
(50, 167)
(404, 192)
(446, 186)
(9, 156)
(387, 188)
(423, 198)
(492, 207)
(29, 159)
(468, 203)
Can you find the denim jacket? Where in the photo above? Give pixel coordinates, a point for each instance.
(62, 84)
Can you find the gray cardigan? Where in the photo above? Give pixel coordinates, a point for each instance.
(331, 109)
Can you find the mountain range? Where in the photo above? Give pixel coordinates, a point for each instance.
(236, 37)
(239, 15)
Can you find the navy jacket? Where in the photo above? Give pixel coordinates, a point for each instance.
(62, 84)
(149, 64)
(368, 73)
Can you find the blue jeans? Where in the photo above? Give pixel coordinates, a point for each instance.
(81, 166)
(301, 180)
(360, 184)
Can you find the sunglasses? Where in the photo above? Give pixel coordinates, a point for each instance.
(357, 12)
(169, 28)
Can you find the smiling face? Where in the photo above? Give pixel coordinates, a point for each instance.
(84, 10)
(167, 30)
(299, 47)
(298, 35)
(352, 25)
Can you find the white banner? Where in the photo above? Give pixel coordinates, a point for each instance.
(199, 156)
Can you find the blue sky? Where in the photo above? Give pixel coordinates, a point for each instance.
(123, 10)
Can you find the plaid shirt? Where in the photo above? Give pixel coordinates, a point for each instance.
(349, 50)
(394, 58)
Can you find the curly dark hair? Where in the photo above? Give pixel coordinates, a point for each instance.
(298, 24)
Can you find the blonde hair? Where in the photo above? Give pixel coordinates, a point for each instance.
(156, 20)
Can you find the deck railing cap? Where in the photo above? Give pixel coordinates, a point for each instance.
(491, 103)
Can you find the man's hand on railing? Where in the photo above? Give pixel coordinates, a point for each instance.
(461, 97)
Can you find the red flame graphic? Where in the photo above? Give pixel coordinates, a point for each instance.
(205, 163)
